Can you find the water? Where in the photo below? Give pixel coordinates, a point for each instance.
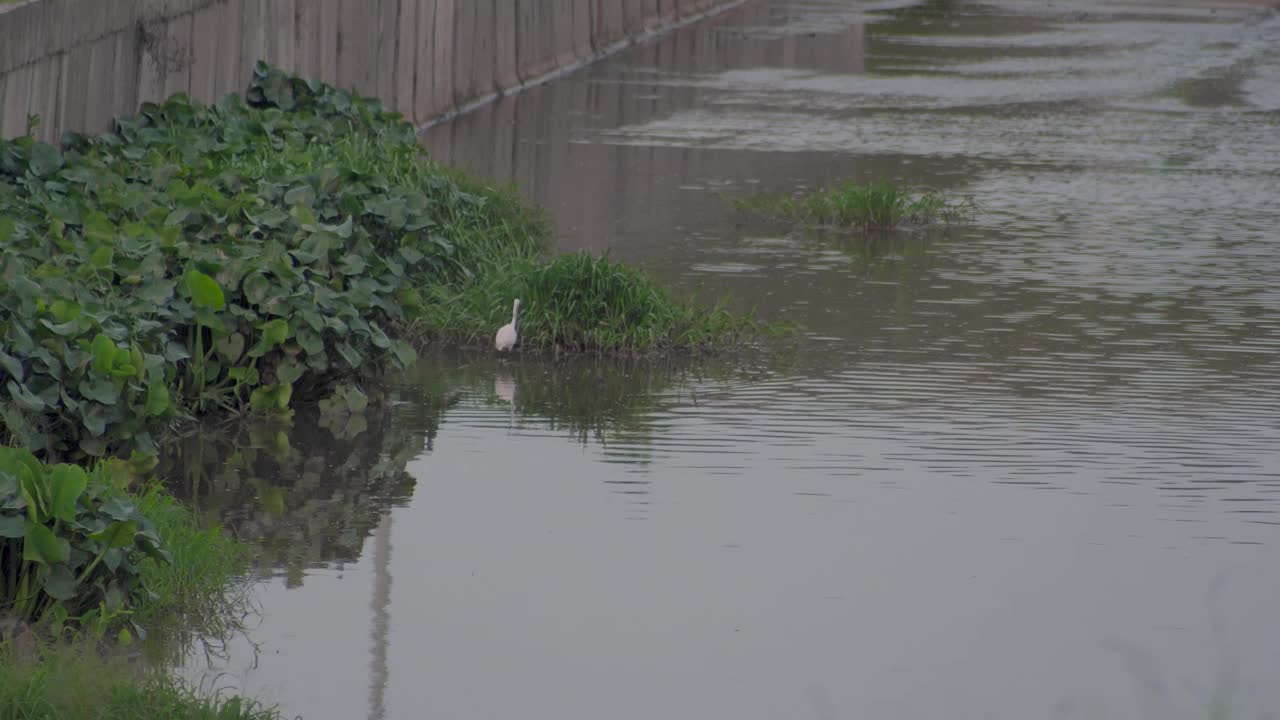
(1029, 468)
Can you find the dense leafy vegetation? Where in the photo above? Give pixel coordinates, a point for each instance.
(849, 205)
(72, 543)
(247, 255)
(228, 257)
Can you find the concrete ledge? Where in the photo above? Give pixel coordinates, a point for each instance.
(81, 63)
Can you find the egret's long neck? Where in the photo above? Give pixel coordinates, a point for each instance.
(515, 314)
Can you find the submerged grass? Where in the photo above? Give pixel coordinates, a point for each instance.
(77, 682)
(580, 303)
(850, 205)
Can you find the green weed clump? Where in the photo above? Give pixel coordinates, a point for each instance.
(202, 588)
(72, 543)
(79, 549)
(235, 257)
(45, 681)
(579, 303)
(853, 206)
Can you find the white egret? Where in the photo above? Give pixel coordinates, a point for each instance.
(506, 337)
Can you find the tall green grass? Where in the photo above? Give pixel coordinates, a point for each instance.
(850, 205)
(204, 590)
(77, 682)
(579, 303)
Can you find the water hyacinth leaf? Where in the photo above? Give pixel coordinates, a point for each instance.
(149, 543)
(43, 546)
(66, 329)
(119, 508)
(352, 265)
(290, 372)
(61, 583)
(158, 400)
(357, 401)
(122, 372)
(274, 332)
(138, 360)
(205, 291)
(310, 341)
(349, 354)
(44, 160)
(230, 346)
(244, 375)
(378, 338)
(12, 365)
(118, 534)
(64, 311)
(271, 398)
(404, 353)
(175, 352)
(26, 399)
(157, 292)
(257, 288)
(270, 218)
(99, 390)
(104, 353)
(410, 255)
(314, 248)
(101, 258)
(342, 230)
(301, 195)
(68, 484)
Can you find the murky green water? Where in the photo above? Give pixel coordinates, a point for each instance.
(1029, 468)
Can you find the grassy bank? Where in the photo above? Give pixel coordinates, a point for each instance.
(854, 206)
(78, 682)
(89, 564)
(250, 255)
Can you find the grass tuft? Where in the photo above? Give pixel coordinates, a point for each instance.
(581, 303)
(852, 206)
(204, 589)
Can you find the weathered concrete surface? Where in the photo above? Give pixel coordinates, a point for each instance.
(78, 64)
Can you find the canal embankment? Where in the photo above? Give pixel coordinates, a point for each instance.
(79, 64)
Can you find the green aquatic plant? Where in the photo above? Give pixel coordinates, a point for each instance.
(73, 544)
(850, 205)
(577, 303)
(249, 256)
(234, 257)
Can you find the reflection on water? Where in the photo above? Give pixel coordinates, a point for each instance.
(1024, 468)
(308, 492)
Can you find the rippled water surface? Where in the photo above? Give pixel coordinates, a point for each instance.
(1028, 468)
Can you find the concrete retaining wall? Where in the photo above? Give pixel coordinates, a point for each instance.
(80, 63)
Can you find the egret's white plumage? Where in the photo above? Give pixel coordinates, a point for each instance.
(506, 337)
